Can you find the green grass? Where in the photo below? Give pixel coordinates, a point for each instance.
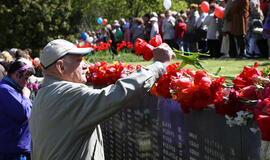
(109, 57)
(230, 67)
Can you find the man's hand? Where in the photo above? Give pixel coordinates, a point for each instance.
(163, 54)
(26, 92)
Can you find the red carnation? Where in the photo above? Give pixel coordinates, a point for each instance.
(148, 52)
(249, 76)
(156, 41)
(139, 46)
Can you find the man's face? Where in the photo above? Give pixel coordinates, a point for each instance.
(75, 69)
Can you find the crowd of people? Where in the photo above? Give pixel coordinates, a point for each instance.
(243, 31)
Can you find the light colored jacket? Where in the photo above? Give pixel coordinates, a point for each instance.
(168, 28)
(154, 30)
(192, 21)
(211, 22)
(64, 123)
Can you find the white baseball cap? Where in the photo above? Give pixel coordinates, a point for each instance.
(57, 49)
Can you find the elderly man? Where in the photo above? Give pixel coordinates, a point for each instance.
(65, 118)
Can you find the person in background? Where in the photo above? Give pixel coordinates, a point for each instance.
(153, 14)
(6, 56)
(179, 32)
(240, 14)
(193, 16)
(127, 31)
(122, 22)
(66, 114)
(255, 22)
(28, 51)
(19, 53)
(161, 17)
(266, 30)
(104, 37)
(147, 27)
(201, 31)
(137, 30)
(212, 32)
(12, 52)
(154, 29)
(168, 29)
(15, 110)
(226, 29)
(118, 33)
(111, 37)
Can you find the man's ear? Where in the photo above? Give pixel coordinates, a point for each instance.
(60, 66)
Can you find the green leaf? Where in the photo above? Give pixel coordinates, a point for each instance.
(218, 71)
(191, 59)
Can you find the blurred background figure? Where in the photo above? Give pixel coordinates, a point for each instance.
(253, 34)
(240, 14)
(154, 29)
(180, 30)
(168, 29)
(137, 30)
(212, 32)
(193, 16)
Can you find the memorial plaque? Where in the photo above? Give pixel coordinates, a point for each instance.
(156, 129)
(251, 142)
(172, 120)
(209, 137)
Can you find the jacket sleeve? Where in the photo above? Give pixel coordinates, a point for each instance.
(16, 106)
(98, 105)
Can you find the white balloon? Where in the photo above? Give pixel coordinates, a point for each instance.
(167, 4)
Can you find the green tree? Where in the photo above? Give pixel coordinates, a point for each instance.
(33, 23)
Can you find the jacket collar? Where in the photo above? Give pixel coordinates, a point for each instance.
(12, 83)
(49, 80)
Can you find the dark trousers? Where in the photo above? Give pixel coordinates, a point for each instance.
(203, 46)
(237, 46)
(171, 43)
(193, 46)
(214, 47)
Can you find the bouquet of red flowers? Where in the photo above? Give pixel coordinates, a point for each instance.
(103, 74)
(192, 89)
(142, 47)
(124, 46)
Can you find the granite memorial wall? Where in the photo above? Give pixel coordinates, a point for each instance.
(156, 128)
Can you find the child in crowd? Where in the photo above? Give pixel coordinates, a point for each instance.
(180, 30)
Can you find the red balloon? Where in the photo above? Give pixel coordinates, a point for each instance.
(205, 6)
(104, 21)
(219, 11)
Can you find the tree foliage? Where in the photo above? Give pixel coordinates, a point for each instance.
(33, 23)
